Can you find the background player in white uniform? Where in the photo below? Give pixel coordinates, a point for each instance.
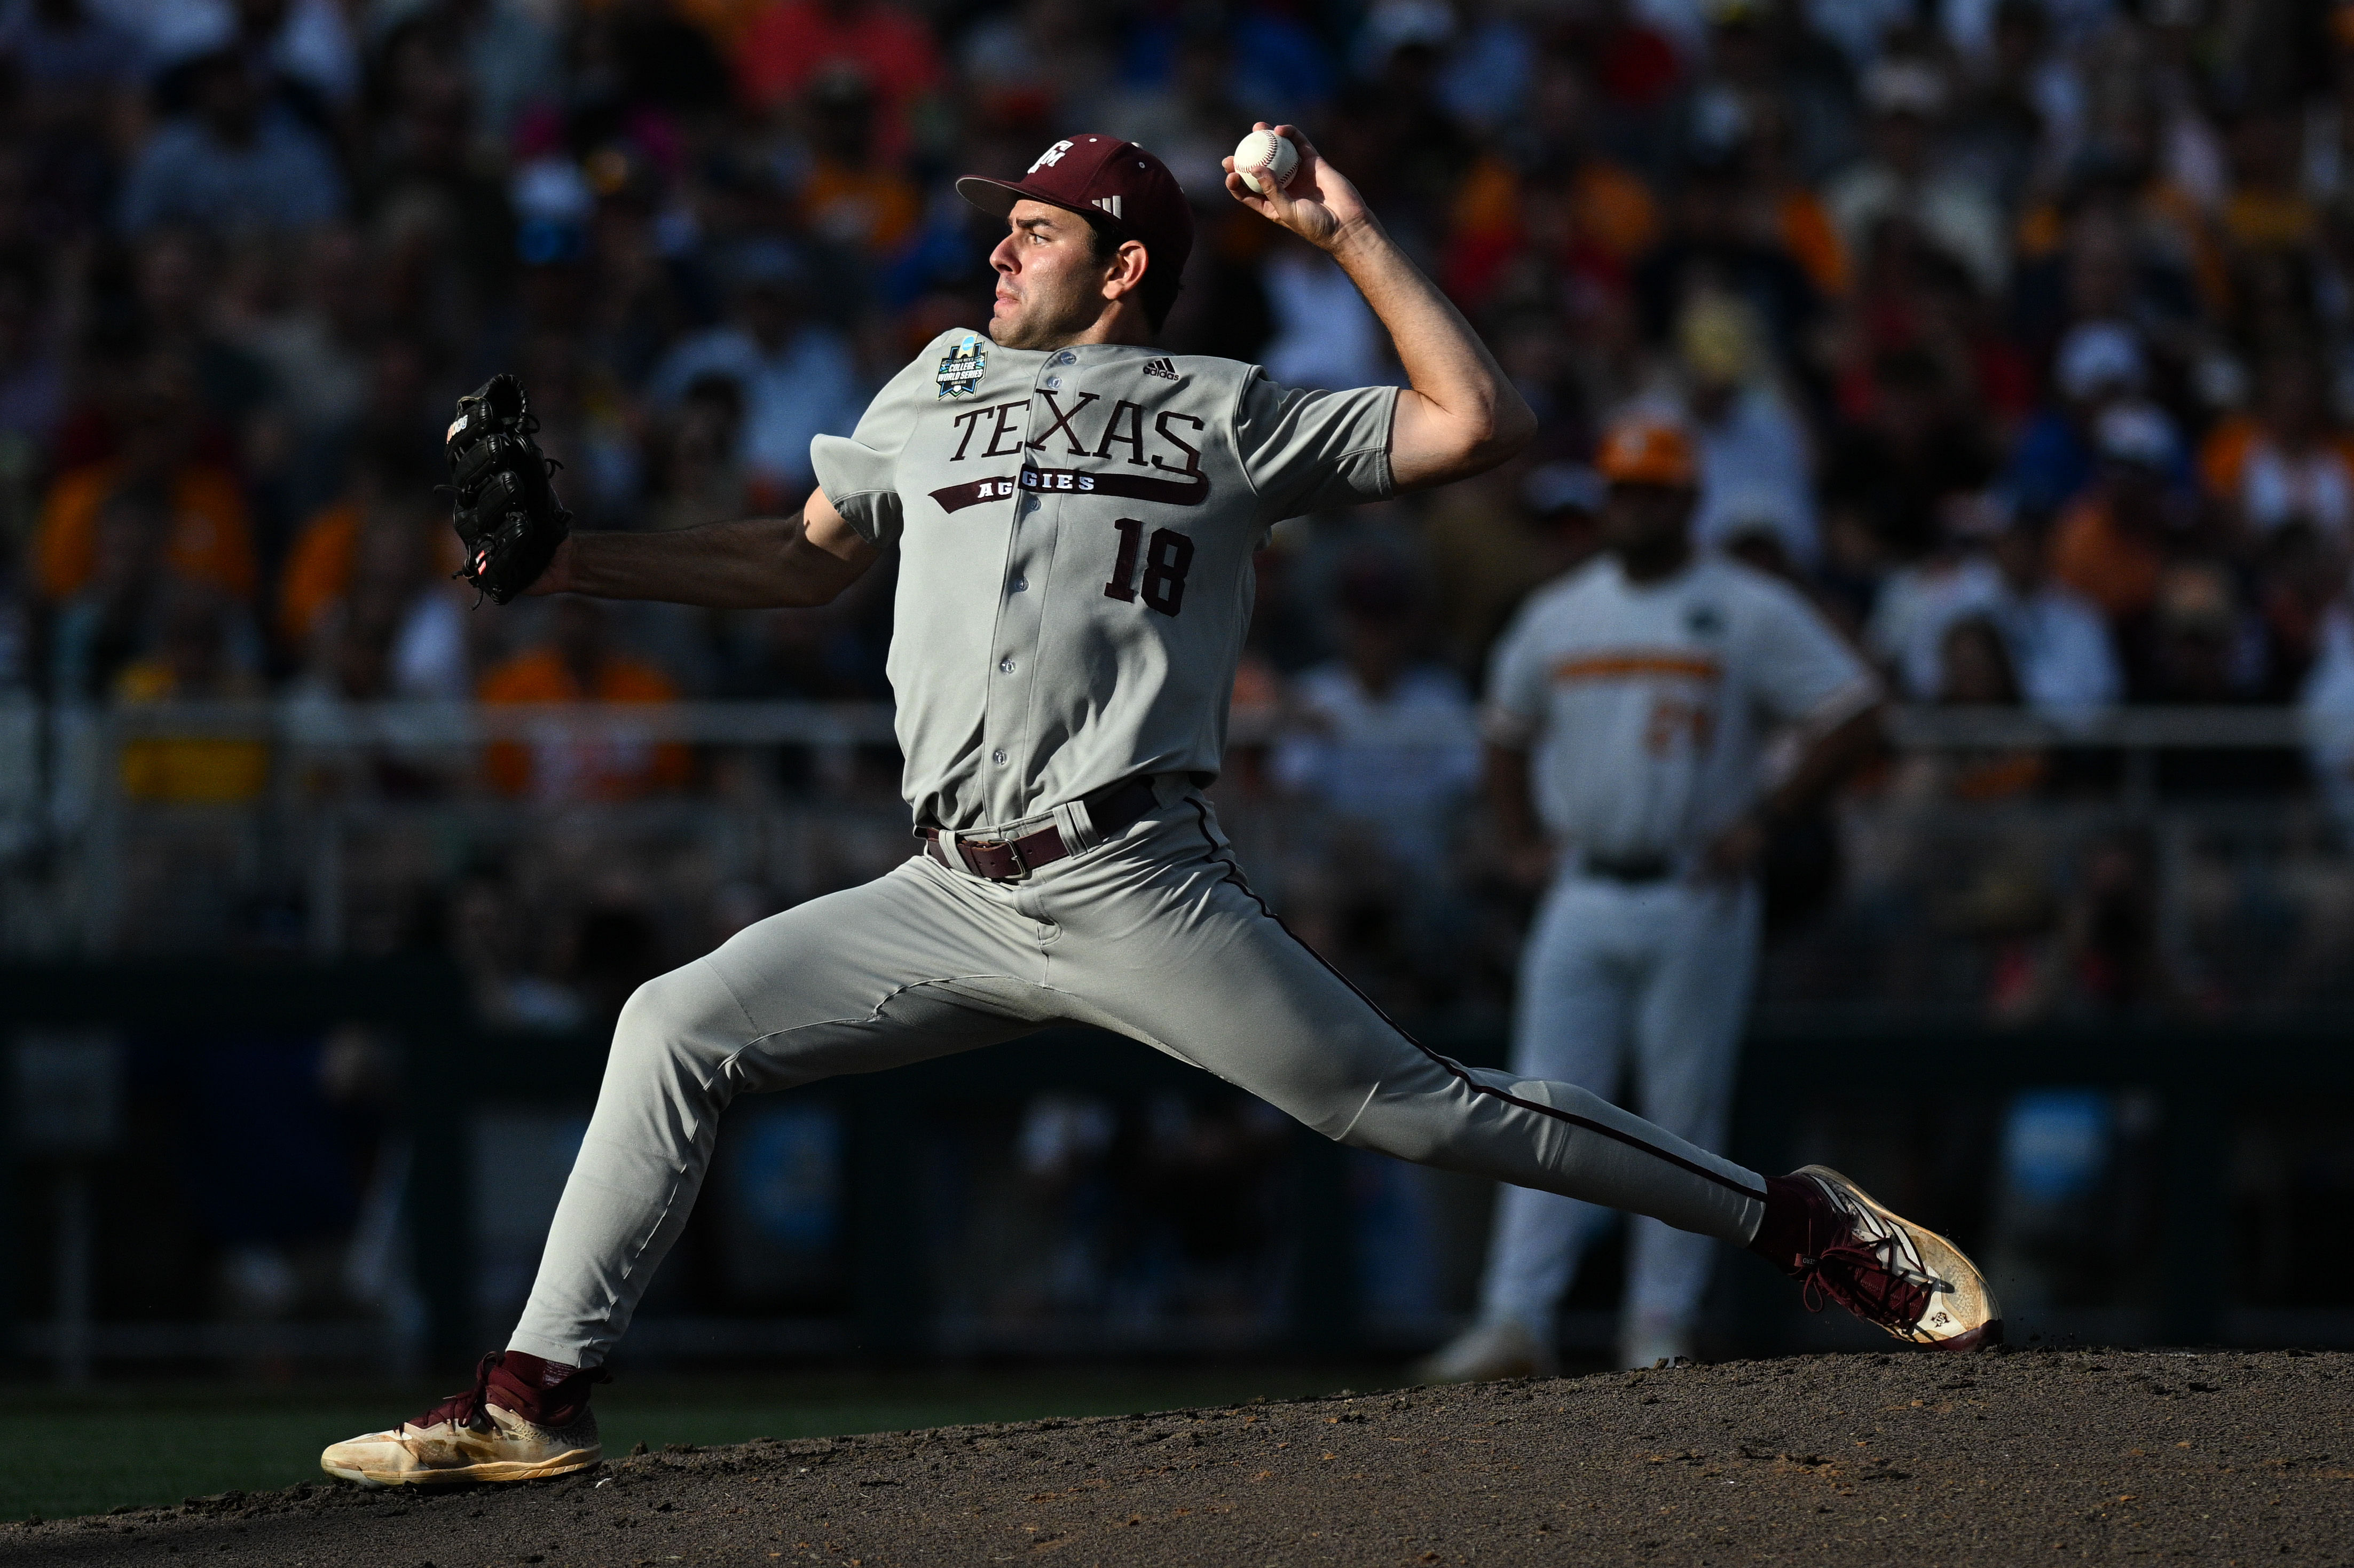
(1075, 515)
(1635, 695)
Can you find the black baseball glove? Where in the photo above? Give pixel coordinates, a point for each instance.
(504, 503)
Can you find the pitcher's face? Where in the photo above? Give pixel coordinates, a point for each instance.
(1050, 285)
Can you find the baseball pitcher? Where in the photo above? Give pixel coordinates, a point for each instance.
(1626, 709)
(1075, 515)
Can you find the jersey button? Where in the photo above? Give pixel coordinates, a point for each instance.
(1006, 665)
(1053, 382)
(1066, 357)
(1020, 585)
(997, 756)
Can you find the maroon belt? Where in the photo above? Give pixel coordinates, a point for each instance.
(1111, 810)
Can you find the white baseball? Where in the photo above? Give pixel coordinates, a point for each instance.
(1263, 155)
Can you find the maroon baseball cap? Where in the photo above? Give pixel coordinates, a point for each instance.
(1114, 182)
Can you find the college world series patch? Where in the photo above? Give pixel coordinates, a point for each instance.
(961, 371)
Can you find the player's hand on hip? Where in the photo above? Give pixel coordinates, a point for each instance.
(1318, 204)
(1527, 862)
(1737, 852)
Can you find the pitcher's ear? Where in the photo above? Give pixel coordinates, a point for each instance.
(1131, 261)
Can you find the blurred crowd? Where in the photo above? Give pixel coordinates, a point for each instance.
(2019, 333)
(2017, 330)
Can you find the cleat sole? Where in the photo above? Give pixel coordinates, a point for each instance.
(489, 1471)
(1978, 1339)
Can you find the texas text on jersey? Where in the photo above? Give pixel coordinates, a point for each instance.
(1115, 510)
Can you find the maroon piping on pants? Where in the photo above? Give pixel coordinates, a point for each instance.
(1234, 875)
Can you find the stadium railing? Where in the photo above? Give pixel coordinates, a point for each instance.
(64, 807)
(307, 724)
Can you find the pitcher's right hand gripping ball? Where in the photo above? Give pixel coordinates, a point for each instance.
(504, 503)
(1266, 159)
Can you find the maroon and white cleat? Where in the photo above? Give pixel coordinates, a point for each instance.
(1826, 1232)
(514, 1424)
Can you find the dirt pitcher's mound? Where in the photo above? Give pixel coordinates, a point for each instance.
(1991, 1459)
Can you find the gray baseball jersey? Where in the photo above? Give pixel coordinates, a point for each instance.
(1075, 530)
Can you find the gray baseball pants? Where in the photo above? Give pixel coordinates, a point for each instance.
(1154, 934)
(1656, 978)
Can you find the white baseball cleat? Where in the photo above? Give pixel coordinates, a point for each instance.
(470, 1437)
(1888, 1271)
(1487, 1351)
(505, 1447)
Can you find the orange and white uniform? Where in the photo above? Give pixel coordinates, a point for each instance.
(1644, 708)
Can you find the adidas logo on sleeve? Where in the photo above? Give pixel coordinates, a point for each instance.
(1163, 369)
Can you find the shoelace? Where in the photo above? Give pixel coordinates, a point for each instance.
(472, 1408)
(1866, 1278)
(469, 1409)
(1876, 1276)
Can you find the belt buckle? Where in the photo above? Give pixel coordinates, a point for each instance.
(1014, 850)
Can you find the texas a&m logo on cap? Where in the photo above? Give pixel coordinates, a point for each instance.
(1118, 185)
